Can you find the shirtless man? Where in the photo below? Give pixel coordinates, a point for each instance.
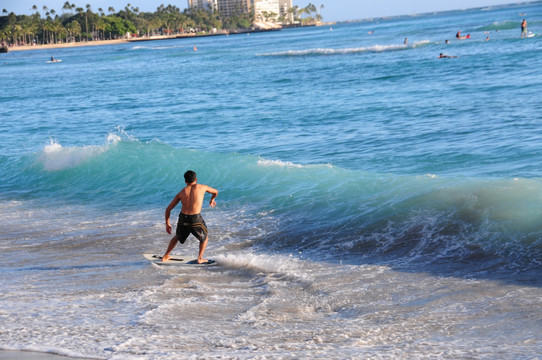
(524, 28)
(190, 220)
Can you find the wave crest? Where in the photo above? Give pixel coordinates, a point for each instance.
(346, 51)
(56, 157)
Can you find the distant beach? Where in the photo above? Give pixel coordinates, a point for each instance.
(68, 45)
(145, 38)
(102, 42)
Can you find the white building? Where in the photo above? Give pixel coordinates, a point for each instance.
(284, 10)
(276, 8)
(203, 4)
(266, 9)
(280, 8)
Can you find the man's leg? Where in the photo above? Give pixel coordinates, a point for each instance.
(202, 246)
(171, 246)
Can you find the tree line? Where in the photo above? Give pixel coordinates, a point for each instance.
(76, 23)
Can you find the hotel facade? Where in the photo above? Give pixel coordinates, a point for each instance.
(280, 8)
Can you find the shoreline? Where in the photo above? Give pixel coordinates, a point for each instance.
(125, 41)
(149, 38)
(34, 355)
(66, 45)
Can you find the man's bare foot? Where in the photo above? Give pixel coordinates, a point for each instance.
(202, 261)
(166, 257)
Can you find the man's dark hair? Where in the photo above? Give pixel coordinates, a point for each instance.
(189, 177)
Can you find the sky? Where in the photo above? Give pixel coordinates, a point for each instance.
(333, 10)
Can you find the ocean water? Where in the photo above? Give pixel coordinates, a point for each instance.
(375, 202)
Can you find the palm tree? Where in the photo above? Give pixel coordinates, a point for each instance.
(111, 9)
(86, 20)
(74, 29)
(80, 11)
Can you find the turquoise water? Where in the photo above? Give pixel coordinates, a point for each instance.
(362, 180)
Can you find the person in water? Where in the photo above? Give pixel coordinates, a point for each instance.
(524, 28)
(444, 56)
(459, 37)
(190, 219)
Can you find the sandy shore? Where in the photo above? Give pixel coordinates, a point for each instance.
(30, 355)
(69, 45)
(105, 42)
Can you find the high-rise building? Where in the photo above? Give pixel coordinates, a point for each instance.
(277, 8)
(233, 7)
(263, 8)
(203, 4)
(281, 8)
(284, 10)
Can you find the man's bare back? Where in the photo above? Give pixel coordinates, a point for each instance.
(191, 199)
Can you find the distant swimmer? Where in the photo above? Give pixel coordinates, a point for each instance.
(406, 41)
(195, 48)
(460, 37)
(444, 56)
(524, 28)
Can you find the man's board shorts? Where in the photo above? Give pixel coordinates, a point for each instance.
(191, 224)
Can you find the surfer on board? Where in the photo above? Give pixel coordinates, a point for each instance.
(190, 219)
(524, 28)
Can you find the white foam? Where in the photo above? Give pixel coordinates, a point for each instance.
(265, 162)
(330, 51)
(56, 157)
(280, 163)
(265, 263)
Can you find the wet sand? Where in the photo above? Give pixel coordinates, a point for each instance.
(31, 355)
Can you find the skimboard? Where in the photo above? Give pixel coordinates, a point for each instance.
(175, 260)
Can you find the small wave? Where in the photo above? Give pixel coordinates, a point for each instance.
(505, 25)
(140, 47)
(346, 51)
(265, 162)
(288, 164)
